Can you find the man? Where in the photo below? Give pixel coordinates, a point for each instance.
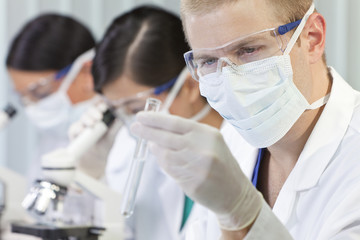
(263, 70)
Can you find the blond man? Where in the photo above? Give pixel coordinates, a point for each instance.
(261, 65)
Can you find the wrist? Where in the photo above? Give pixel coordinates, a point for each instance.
(245, 212)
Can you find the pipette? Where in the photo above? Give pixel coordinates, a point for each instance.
(137, 165)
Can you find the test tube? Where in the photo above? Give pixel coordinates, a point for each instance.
(137, 165)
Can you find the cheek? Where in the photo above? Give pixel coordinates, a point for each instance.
(302, 73)
(20, 85)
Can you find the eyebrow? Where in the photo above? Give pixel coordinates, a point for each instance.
(203, 56)
(230, 47)
(243, 43)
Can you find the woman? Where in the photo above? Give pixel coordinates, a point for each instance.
(49, 63)
(140, 56)
(40, 57)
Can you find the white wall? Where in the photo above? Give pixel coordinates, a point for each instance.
(17, 142)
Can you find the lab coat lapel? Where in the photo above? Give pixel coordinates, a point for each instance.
(327, 134)
(172, 198)
(319, 149)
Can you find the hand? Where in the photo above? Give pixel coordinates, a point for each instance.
(196, 156)
(92, 116)
(93, 162)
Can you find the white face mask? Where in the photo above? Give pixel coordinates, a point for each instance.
(259, 99)
(56, 112)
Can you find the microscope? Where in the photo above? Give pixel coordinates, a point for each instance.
(48, 194)
(12, 185)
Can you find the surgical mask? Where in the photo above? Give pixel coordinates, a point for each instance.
(259, 98)
(56, 112)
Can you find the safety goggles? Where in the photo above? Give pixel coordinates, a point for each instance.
(136, 103)
(246, 49)
(43, 87)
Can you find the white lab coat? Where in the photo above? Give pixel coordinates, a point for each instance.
(321, 197)
(160, 201)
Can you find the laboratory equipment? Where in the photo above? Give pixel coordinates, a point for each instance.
(59, 170)
(13, 190)
(6, 115)
(12, 184)
(137, 165)
(55, 233)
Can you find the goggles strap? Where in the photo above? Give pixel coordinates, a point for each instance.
(62, 72)
(160, 89)
(75, 69)
(298, 31)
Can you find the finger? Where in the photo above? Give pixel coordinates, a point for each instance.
(74, 130)
(102, 106)
(169, 160)
(176, 164)
(95, 113)
(165, 121)
(161, 137)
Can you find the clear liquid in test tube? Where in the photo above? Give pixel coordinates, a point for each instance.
(137, 165)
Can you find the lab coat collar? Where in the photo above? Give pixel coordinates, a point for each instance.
(326, 136)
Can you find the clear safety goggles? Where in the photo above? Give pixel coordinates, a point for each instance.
(246, 49)
(131, 105)
(43, 87)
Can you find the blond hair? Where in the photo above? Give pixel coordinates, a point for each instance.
(286, 10)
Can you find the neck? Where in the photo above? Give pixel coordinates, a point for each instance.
(213, 119)
(286, 152)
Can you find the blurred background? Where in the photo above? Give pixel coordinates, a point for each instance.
(17, 142)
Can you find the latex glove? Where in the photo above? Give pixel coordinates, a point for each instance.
(196, 156)
(92, 116)
(94, 161)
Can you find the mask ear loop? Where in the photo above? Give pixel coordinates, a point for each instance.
(175, 90)
(75, 69)
(298, 31)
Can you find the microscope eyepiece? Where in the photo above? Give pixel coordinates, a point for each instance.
(10, 110)
(108, 117)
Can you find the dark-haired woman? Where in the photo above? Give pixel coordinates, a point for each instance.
(140, 56)
(41, 57)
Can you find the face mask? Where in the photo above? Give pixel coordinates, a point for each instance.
(259, 99)
(55, 112)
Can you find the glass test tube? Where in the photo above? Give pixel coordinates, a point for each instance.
(137, 165)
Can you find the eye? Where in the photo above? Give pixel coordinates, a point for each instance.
(245, 51)
(206, 62)
(249, 50)
(210, 62)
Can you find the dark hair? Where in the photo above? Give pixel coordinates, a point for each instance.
(146, 43)
(49, 42)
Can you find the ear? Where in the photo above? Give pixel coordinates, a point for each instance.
(315, 33)
(191, 89)
(88, 81)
